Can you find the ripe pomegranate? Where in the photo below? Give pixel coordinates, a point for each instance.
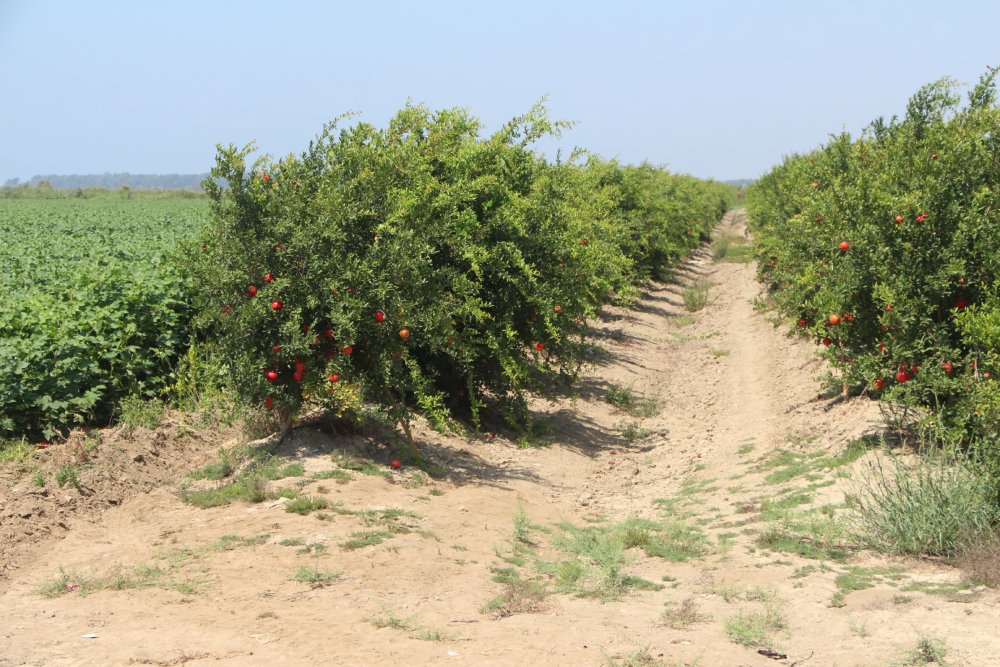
(902, 377)
(827, 342)
(833, 320)
(844, 246)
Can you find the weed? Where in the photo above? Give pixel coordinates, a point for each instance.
(366, 538)
(695, 295)
(641, 658)
(39, 478)
(214, 471)
(306, 504)
(67, 474)
(682, 616)
(340, 476)
(681, 321)
(928, 650)
(118, 579)
(633, 431)
(522, 527)
(18, 451)
(924, 508)
(389, 620)
(249, 486)
(363, 466)
(314, 576)
(135, 412)
(429, 635)
(858, 627)
(436, 492)
(788, 465)
(719, 352)
(626, 399)
(755, 628)
(519, 596)
(785, 539)
(731, 247)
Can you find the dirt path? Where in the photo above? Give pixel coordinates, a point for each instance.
(668, 533)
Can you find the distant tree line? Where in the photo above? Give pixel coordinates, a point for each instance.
(109, 181)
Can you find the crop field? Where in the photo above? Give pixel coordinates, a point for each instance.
(95, 309)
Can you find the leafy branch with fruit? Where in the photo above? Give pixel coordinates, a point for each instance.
(886, 249)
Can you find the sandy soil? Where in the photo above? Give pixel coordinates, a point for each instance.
(219, 584)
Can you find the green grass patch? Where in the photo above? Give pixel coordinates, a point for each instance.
(306, 504)
(813, 539)
(786, 465)
(314, 576)
(16, 451)
(249, 486)
(338, 475)
(135, 412)
(120, 578)
(756, 628)
(361, 465)
(636, 404)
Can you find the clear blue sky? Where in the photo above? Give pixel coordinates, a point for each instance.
(715, 89)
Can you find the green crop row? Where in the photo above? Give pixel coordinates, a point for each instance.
(886, 250)
(95, 308)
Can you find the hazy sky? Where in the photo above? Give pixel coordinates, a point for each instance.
(712, 88)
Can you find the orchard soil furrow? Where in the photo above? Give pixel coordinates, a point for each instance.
(718, 433)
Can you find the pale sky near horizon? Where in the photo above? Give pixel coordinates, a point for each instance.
(712, 88)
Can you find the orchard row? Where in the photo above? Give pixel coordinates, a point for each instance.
(886, 249)
(425, 267)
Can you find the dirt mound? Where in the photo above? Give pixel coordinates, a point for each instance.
(77, 480)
